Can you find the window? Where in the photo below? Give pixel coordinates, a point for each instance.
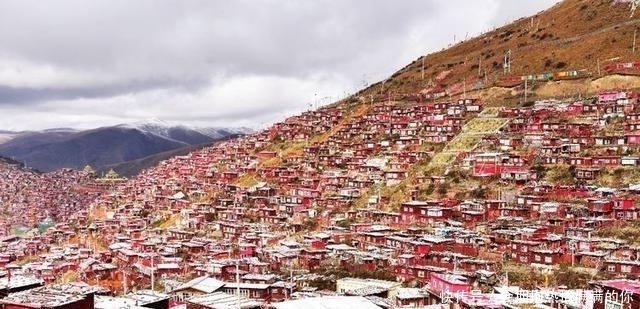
(537, 258)
(547, 259)
(611, 268)
(610, 304)
(625, 268)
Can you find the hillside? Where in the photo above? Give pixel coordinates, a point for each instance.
(574, 35)
(393, 183)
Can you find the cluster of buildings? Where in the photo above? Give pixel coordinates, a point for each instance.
(30, 199)
(255, 220)
(445, 291)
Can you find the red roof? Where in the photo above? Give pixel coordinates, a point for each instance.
(630, 286)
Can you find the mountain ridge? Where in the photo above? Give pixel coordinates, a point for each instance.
(56, 148)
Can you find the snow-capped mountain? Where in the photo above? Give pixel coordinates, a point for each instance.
(167, 130)
(53, 149)
(218, 132)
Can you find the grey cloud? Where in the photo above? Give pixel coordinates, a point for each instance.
(171, 58)
(28, 96)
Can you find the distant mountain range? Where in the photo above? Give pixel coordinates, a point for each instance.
(114, 146)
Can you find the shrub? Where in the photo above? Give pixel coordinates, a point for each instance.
(561, 65)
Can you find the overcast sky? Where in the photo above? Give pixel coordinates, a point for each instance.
(85, 64)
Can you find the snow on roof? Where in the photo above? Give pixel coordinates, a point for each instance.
(18, 281)
(145, 297)
(205, 284)
(178, 195)
(221, 300)
(108, 302)
(339, 247)
(408, 293)
(41, 298)
(330, 302)
(371, 282)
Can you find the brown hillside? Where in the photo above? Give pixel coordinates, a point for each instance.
(572, 35)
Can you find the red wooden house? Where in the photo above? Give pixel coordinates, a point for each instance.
(426, 212)
(521, 250)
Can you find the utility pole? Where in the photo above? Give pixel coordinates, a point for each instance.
(423, 67)
(525, 90)
(479, 66)
(124, 285)
(464, 88)
(572, 247)
(598, 64)
(238, 283)
(507, 62)
(290, 280)
(315, 100)
(531, 23)
(635, 31)
(153, 285)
